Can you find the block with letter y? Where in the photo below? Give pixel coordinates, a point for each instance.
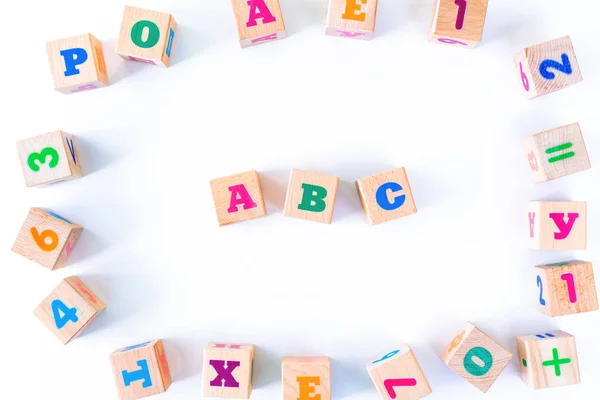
(557, 225)
(227, 370)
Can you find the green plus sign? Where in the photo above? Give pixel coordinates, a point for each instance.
(556, 362)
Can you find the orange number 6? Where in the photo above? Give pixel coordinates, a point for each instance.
(40, 239)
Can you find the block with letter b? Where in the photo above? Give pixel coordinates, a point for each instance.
(548, 359)
(566, 288)
(458, 22)
(47, 238)
(238, 198)
(258, 21)
(77, 64)
(69, 309)
(548, 67)
(557, 225)
(311, 196)
(306, 378)
(397, 375)
(227, 370)
(476, 357)
(146, 36)
(141, 370)
(353, 19)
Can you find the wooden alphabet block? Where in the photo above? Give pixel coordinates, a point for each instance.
(306, 378)
(566, 288)
(558, 225)
(141, 370)
(69, 309)
(476, 357)
(311, 196)
(458, 22)
(238, 198)
(386, 196)
(548, 67)
(49, 158)
(548, 359)
(77, 64)
(47, 238)
(352, 18)
(228, 370)
(146, 36)
(258, 21)
(397, 375)
(556, 153)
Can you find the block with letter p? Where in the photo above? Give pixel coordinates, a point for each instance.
(557, 225)
(458, 22)
(228, 370)
(306, 378)
(353, 19)
(311, 196)
(238, 198)
(258, 21)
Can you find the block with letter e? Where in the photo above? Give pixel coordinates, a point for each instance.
(238, 198)
(353, 19)
(227, 371)
(306, 378)
(557, 225)
(258, 21)
(311, 196)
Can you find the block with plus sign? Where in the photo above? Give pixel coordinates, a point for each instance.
(227, 371)
(548, 359)
(557, 225)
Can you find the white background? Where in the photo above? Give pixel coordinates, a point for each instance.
(152, 250)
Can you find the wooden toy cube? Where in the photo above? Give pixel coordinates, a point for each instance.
(476, 357)
(548, 359)
(306, 378)
(47, 238)
(69, 309)
(547, 67)
(141, 370)
(458, 22)
(397, 375)
(351, 18)
(49, 158)
(258, 21)
(228, 370)
(557, 152)
(386, 196)
(238, 198)
(77, 64)
(146, 36)
(558, 225)
(566, 288)
(311, 196)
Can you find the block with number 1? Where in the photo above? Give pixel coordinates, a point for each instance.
(458, 22)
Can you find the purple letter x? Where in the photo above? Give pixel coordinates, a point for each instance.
(224, 377)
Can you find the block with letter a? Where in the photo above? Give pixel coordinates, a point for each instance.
(557, 225)
(227, 371)
(258, 21)
(354, 19)
(238, 198)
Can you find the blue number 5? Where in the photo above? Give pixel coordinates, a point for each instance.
(541, 286)
(564, 67)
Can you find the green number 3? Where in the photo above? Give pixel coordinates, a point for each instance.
(41, 157)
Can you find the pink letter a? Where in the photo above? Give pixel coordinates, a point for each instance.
(239, 195)
(564, 229)
(258, 9)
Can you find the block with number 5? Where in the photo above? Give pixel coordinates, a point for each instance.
(47, 238)
(458, 22)
(69, 309)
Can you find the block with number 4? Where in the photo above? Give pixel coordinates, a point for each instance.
(557, 225)
(141, 370)
(258, 21)
(311, 196)
(351, 18)
(47, 238)
(238, 198)
(566, 288)
(397, 375)
(306, 378)
(69, 309)
(228, 370)
(548, 67)
(458, 22)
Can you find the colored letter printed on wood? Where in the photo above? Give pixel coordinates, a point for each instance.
(386, 196)
(47, 238)
(353, 19)
(238, 198)
(69, 309)
(227, 370)
(311, 196)
(397, 375)
(77, 64)
(476, 357)
(141, 370)
(557, 225)
(566, 288)
(548, 359)
(146, 36)
(306, 378)
(258, 21)
(458, 22)
(547, 67)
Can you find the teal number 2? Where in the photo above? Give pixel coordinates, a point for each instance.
(68, 314)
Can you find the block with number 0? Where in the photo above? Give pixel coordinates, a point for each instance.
(69, 309)
(458, 22)
(47, 238)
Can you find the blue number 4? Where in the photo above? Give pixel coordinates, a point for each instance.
(68, 314)
(564, 67)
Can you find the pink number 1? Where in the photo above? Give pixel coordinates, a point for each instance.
(462, 10)
(570, 279)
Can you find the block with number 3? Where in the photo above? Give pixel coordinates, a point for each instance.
(227, 371)
(557, 225)
(458, 22)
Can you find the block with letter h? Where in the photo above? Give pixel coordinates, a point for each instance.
(397, 375)
(77, 64)
(311, 196)
(141, 370)
(47, 238)
(548, 67)
(458, 22)
(69, 309)
(306, 378)
(228, 370)
(238, 198)
(566, 288)
(557, 225)
(146, 36)
(476, 357)
(258, 21)
(548, 359)
(351, 18)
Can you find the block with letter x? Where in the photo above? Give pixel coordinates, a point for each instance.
(557, 225)
(227, 370)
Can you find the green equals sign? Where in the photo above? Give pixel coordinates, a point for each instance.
(561, 157)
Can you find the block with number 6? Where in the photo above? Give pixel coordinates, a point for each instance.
(458, 22)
